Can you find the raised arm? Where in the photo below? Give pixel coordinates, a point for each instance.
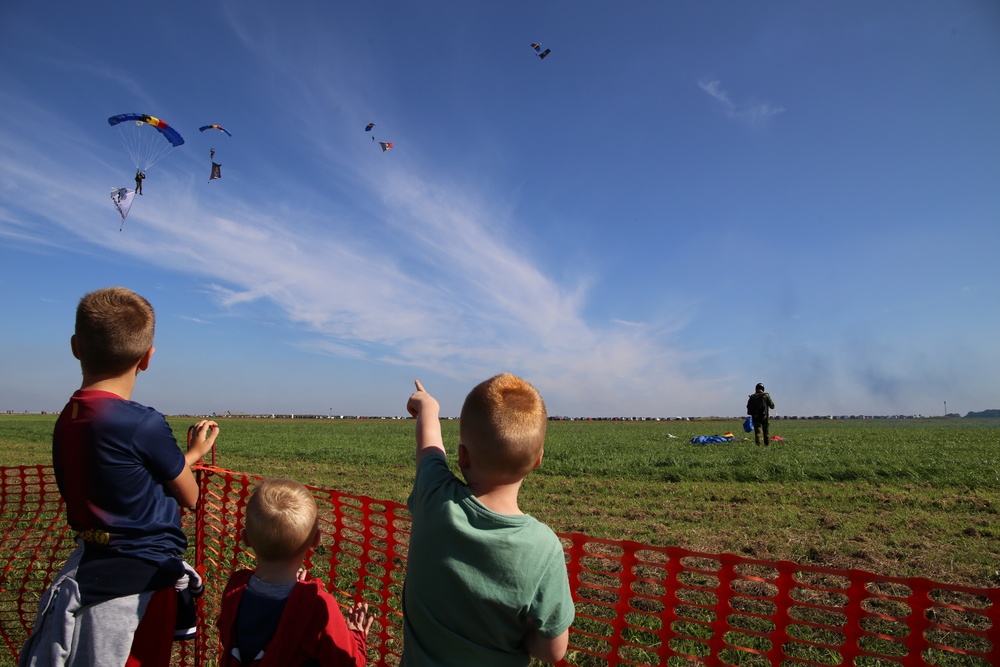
(427, 412)
(184, 487)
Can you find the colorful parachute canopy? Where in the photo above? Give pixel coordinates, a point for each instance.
(169, 133)
(215, 127)
(538, 51)
(386, 145)
(122, 199)
(143, 145)
(369, 126)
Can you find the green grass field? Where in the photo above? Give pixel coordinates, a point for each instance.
(894, 497)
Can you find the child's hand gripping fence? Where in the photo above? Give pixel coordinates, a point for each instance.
(636, 604)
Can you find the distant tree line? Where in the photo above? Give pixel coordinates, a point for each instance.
(985, 414)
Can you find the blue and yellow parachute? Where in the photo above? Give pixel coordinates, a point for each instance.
(147, 139)
(215, 127)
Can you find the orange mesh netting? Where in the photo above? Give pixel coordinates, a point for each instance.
(636, 604)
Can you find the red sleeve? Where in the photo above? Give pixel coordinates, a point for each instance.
(339, 646)
(226, 623)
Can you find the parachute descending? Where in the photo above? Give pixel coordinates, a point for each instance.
(122, 199)
(216, 166)
(386, 145)
(215, 127)
(145, 146)
(538, 51)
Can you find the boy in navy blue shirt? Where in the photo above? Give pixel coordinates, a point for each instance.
(123, 478)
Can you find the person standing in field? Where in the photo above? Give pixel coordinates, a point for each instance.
(486, 585)
(758, 406)
(125, 594)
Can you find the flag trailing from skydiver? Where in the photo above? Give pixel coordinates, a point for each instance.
(216, 166)
(122, 199)
(386, 145)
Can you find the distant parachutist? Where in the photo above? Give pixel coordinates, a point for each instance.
(538, 51)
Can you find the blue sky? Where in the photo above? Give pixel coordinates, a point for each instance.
(684, 199)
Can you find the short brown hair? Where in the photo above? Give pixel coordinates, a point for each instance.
(280, 519)
(114, 328)
(503, 425)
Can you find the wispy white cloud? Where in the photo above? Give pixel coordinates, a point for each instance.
(753, 114)
(449, 293)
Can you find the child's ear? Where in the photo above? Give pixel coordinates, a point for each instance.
(244, 538)
(72, 346)
(144, 361)
(539, 461)
(463, 456)
(316, 538)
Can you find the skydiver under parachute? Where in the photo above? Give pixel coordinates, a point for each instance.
(216, 166)
(538, 51)
(146, 139)
(386, 145)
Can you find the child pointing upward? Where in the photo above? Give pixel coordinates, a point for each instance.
(486, 584)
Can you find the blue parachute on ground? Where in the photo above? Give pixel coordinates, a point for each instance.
(709, 439)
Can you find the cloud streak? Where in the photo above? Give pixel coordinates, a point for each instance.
(752, 114)
(437, 286)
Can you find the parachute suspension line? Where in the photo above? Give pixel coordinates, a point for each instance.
(131, 141)
(143, 144)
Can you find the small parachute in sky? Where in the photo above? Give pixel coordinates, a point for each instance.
(538, 51)
(386, 145)
(122, 199)
(369, 127)
(215, 127)
(216, 166)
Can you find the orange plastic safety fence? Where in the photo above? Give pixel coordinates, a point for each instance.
(636, 604)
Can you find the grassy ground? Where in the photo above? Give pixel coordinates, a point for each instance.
(894, 497)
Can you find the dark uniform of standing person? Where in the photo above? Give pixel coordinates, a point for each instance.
(139, 177)
(757, 407)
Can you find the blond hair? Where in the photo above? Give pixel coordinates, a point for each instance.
(114, 328)
(280, 519)
(503, 424)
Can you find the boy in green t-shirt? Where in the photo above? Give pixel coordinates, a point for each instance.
(486, 585)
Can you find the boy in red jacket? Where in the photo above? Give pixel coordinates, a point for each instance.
(272, 616)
